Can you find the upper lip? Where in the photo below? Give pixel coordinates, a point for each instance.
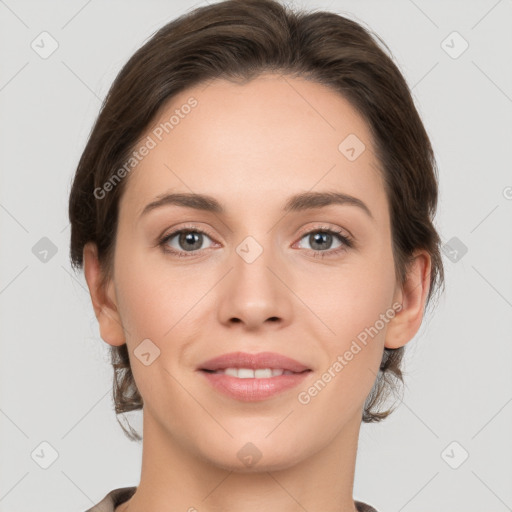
(270, 360)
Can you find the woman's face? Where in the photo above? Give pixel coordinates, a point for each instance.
(258, 276)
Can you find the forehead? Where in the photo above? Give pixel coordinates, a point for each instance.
(251, 144)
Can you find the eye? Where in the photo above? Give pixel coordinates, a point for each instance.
(321, 240)
(187, 241)
(182, 241)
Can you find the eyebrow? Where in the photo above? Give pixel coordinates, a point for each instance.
(299, 202)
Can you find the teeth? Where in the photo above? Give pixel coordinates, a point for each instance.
(249, 373)
(246, 373)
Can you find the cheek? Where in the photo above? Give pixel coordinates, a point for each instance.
(356, 304)
(355, 295)
(151, 292)
(153, 304)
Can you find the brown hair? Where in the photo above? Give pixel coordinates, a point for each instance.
(238, 40)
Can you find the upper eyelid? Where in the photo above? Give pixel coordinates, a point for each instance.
(334, 229)
(205, 231)
(179, 230)
(303, 232)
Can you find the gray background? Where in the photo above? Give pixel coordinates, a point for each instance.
(55, 376)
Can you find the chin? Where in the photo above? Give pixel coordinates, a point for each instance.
(246, 456)
(265, 464)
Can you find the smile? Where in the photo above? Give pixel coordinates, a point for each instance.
(249, 373)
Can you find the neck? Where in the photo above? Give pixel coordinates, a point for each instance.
(173, 478)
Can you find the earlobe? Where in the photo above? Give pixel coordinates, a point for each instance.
(103, 298)
(412, 295)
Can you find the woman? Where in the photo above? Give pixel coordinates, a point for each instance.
(253, 213)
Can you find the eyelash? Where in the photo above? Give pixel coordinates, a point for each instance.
(347, 241)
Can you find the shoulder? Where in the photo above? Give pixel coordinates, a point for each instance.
(113, 499)
(363, 507)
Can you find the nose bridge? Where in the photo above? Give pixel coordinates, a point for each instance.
(251, 275)
(252, 293)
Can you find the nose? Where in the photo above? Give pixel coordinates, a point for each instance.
(255, 294)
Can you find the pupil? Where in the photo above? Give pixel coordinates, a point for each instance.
(319, 238)
(191, 240)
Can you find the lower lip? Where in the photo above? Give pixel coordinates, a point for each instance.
(252, 390)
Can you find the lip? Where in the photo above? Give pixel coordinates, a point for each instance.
(270, 360)
(253, 389)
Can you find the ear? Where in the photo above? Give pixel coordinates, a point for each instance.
(412, 295)
(103, 298)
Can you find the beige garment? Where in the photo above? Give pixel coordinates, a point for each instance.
(114, 498)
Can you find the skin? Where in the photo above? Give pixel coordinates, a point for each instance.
(252, 146)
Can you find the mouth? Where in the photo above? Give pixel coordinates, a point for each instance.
(244, 363)
(253, 377)
(257, 373)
